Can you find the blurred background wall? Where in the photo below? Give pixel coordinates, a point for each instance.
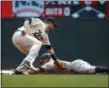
(83, 31)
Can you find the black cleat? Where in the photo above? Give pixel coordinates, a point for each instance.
(101, 69)
(18, 72)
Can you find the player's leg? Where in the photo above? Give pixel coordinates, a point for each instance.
(29, 59)
(102, 69)
(74, 66)
(81, 66)
(27, 44)
(85, 67)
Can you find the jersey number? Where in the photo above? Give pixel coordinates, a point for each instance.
(38, 35)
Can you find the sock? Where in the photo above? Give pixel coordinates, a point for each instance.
(101, 69)
(20, 73)
(17, 72)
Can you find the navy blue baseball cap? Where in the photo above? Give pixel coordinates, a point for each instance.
(45, 56)
(52, 20)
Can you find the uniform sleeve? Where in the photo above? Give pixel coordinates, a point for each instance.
(46, 40)
(28, 19)
(46, 67)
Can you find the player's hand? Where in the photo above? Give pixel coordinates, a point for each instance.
(23, 32)
(59, 65)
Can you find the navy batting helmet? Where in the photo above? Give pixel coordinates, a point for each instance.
(45, 56)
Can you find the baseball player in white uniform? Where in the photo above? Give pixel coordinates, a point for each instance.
(30, 37)
(76, 66)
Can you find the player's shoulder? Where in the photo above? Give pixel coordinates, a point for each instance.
(37, 19)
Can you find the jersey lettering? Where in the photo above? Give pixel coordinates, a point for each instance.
(38, 35)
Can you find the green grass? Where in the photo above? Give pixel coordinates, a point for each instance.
(55, 80)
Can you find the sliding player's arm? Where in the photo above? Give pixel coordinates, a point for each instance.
(37, 71)
(48, 46)
(53, 55)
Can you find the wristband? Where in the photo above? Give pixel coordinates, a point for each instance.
(54, 57)
(48, 46)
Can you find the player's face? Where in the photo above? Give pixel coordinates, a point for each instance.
(50, 26)
(46, 60)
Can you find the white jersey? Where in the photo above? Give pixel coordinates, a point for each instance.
(37, 29)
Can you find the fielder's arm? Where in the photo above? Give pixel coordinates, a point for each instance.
(53, 55)
(27, 22)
